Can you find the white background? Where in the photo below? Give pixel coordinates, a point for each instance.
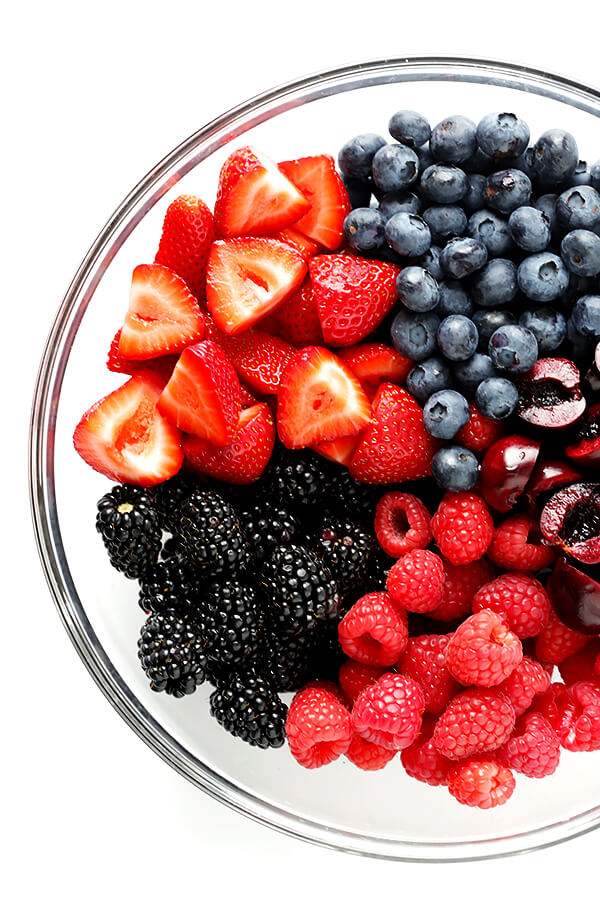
(93, 95)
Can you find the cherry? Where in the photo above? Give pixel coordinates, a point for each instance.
(548, 476)
(575, 596)
(586, 450)
(571, 521)
(550, 395)
(506, 469)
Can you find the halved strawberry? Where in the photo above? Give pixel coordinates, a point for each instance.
(247, 278)
(163, 316)
(246, 397)
(187, 233)
(254, 197)
(341, 450)
(258, 358)
(300, 242)
(164, 365)
(244, 459)
(202, 395)
(125, 437)
(374, 363)
(318, 180)
(298, 318)
(396, 447)
(319, 399)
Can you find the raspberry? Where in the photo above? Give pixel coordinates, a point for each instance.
(550, 703)
(355, 677)
(422, 761)
(578, 720)
(581, 665)
(318, 728)
(533, 749)
(373, 631)
(524, 682)
(424, 661)
(519, 599)
(475, 721)
(462, 527)
(331, 687)
(483, 651)
(483, 782)
(480, 432)
(460, 584)
(367, 755)
(556, 641)
(402, 523)
(389, 712)
(516, 545)
(416, 581)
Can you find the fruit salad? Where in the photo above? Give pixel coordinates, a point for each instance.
(356, 450)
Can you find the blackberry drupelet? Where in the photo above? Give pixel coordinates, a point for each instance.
(171, 584)
(130, 528)
(170, 494)
(247, 707)
(213, 537)
(267, 525)
(171, 654)
(287, 660)
(346, 549)
(231, 623)
(379, 566)
(299, 479)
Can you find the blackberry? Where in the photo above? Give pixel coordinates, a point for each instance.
(379, 567)
(287, 660)
(130, 529)
(212, 534)
(300, 479)
(231, 622)
(170, 584)
(346, 550)
(247, 707)
(352, 498)
(328, 655)
(300, 591)
(267, 525)
(169, 495)
(171, 654)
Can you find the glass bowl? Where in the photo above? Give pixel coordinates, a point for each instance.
(384, 814)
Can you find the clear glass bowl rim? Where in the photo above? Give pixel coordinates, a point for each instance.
(161, 178)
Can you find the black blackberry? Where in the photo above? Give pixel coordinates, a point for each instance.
(213, 537)
(299, 589)
(169, 495)
(170, 584)
(328, 655)
(379, 567)
(287, 660)
(231, 621)
(347, 551)
(352, 498)
(130, 529)
(267, 526)
(299, 479)
(247, 707)
(170, 650)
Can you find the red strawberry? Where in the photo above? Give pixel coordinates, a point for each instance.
(374, 363)
(341, 450)
(164, 365)
(202, 395)
(126, 438)
(316, 177)
(246, 397)
(396, 446)
(300, 242)
(247, 278)
(353, 295)
(187, 233)
(319, 399)
(254, 196)
(258, 358)
(298, 318)
(245, 458)
(163, 316)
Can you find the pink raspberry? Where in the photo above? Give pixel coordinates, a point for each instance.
(462, 527)
(368, 756)
(325, 685)
(373, 631)
(355, 677)
(528, 679)
(460, 585)
(416, 581)
(389, 712)
(475, 721)
(533, 749)
(516, 545)
(480, 432)
(578, 722)
(318, 728)
(483, 651)
(556, 641)
(519, 599)
(424, 660)
(402, 523)
(483, 783)
(581, 666)
(422, 761)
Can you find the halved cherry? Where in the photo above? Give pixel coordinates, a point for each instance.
(575, 595)
(550, 395)
(586, 450)
(571, 521)
(506, 469)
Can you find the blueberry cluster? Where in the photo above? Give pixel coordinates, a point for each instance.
(500, 247)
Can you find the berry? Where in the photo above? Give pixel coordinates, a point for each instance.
(578, 207)
(298, 241)
(455, 468)
(298, 317)
(443, 184)
(495, 284)
(230, 618)
(484, 783)
(543, 277)
(424, 660)
(519, 599)
(318, 728)
(580, 252)
(445, 413)
(413, 334)
(431, 261)
(475, 197)
(408, 234)
(394, 167)
(129, 525)
(427, 377)
(487, 321)
(317, 180)
(533, 748)
(445, 221)
(502, 135)
(457, 338)
(171, 654)
(415, 581)
(581, 666)
(380, 565)
(586, 315)
(513, 348)
(453, 299)
(409, 128)
(354, 677)
(577, 719)
(364, 229)
(496, 398)
(475, 721)
(546, 204)
(483, 651)
(212, 534)
(555, 156)
(116, 362)
(529, 228)
(373, 363)
(402, 523)
(460, 585)
(417, 289)
(169, 585)
(422, 761)
(454, 139)
(187, 233)
(258, 358)
(462, 527)
(373, 631)
(368, 756)
(480, 432)
(462, 256)
(170, 494)
(288, 660)
(511, 548)
(399, 201)
(524, 683)
(469, 373)
(346, 550)
(299, 479)
(507, 190)
(389, 712)
(267, 525)
(356, 156)
(490, 229)
(556, 641)
(548, 326)
(247, 707)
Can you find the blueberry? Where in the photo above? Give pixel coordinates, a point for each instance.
(470, 373)
(416, 289)
(427, 377)
(529, 229)
(495, 284)
(555, 156)
(399, 201)
(445, 221)
(457, 337)
(445, 413)
(358, 190)
(408, 234)
(487, 321)
(413, 334)
(580, 251)
(513, 348)
(577, 346)
(475, 197)
(547, 324)
(453, 140)
(491, 230)
(443, 184)
(524, 163)
(595, 175)
(463, 256)
(455, 468)
(431, 261)
(503, 135)
(395, 167)
(507, 190)
(356, 156)
(364, 229)
(547, 205)
(543, 277)
(478, 164)
(578, 207)
(582, 173)
(586, 316)
(496, 398)
(425, 157)
(410, 128)
(453, 299)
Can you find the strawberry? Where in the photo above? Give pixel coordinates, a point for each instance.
(163, 315)
(244, 459)
(340, 450)
(126, 438)
(298, 318)
(246, 397)
(202, 395)
(164, 365)
(300, 242)
(187, 233)
(247, 278)
(316, 177)
(254, 197)
(319, 399)
(258, 358)
(396, 446)
(352, 294)
(374, 363)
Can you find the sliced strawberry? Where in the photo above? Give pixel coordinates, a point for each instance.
(163, 316)
(318, 180)
(300, 242)
(298, 318)
(341, 450)
(244, 459)
(164, 365)
(374, 363)
(254, 197)
(247, 278)
(396, 447)
(187, 233)
(258, 358)
(319, 399)
(202, 395)
(126, 438)
(246, 397)
(353, 295)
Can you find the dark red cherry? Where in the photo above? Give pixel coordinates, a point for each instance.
(586, 449)
(575, 595)
(548, 477)
(550, 395)
(570, 521)
(505, 470)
